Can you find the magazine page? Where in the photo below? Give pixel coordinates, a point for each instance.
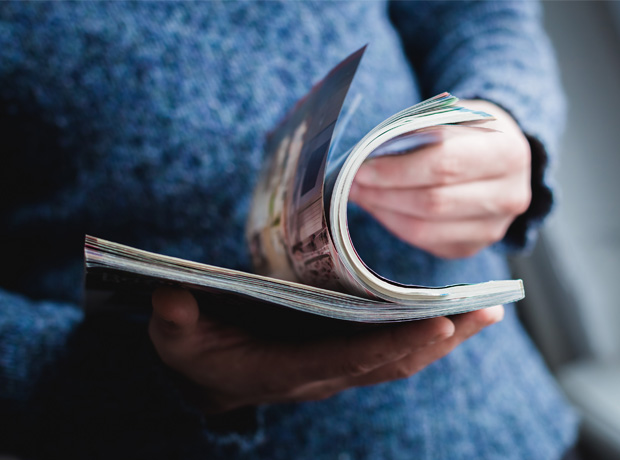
(297, 229)
(287, 230)
(402, 133)
(120, 277)
(301, 262)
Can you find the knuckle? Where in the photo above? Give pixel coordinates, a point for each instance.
(383, 169)
(494, 233)
(402, 370)
(435, 203)
(516, 203)
(525, 152)
(317, 393)
(519, 205)
(517, 154)
(523, 202)
(446, 168)
(354, 368)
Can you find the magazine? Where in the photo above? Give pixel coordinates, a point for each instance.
(297, 229)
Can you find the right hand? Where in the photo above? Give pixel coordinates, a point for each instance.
(233, 369)
(455, 197)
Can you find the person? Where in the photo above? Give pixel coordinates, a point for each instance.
(144, 123)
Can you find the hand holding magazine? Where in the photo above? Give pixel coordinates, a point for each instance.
(297, 229)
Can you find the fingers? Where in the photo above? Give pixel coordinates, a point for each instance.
(453, 198)
(317, 369)
(361, 353)
(466, 326)
(460, 238)
(473, 156)
(509, 196)
(173, 324)
(263, 372)
(175, 311)
(452, 221)
(234, 369)
(469, 324)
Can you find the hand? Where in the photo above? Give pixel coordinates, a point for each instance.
(234, 369)
(455, 197)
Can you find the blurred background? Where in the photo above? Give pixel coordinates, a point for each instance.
(572, 278)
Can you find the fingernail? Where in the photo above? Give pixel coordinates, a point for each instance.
(496, 314)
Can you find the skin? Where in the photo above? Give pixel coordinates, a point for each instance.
(456, 197)
(233, 369)
(451, 199)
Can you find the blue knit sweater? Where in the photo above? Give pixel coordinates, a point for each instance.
(144, 123)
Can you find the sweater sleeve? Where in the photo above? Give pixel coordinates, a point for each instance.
(33, 336)
(84, 387)
(497, 51)
(74, 386)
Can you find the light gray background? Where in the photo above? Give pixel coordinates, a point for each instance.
(572, 279)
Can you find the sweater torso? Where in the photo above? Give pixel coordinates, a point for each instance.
(144, 123)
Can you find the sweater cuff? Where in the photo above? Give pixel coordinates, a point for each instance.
(521, 234)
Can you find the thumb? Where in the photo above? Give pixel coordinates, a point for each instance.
(175, 314)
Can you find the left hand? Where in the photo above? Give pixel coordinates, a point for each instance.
(455, 197)
(231, 368)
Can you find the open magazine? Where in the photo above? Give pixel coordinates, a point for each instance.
(297, 229)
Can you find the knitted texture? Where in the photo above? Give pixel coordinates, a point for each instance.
(144, 123)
